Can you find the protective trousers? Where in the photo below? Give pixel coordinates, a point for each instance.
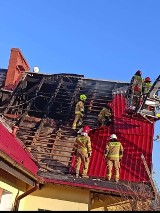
(110, 164)
(78, 117)
(82, 156)
(136, 98)
(101, 120)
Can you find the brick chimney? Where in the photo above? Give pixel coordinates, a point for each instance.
(17, 66)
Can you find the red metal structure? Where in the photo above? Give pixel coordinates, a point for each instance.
(136, 137)
(11, 147)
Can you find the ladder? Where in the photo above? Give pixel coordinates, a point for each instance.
(150, 103)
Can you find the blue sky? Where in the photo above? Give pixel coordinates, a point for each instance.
(102, 39)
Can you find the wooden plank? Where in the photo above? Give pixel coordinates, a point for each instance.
(150, 176)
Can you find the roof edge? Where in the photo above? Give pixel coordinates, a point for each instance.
(20, 167)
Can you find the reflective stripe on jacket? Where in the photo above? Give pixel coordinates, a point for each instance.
(83, 143)
(114, 150)
(146, 87)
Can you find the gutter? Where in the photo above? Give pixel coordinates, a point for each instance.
(38, 180)
(18, 199)
(21, 168)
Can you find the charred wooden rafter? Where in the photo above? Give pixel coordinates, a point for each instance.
(45, 104)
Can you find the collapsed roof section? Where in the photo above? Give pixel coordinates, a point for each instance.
(43, 108)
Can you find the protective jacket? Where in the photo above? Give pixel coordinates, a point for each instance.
(136, 82)
(146, 87)
(83, 144)
(104, 113)
(114, 150)
(83, 153)
(79, 109)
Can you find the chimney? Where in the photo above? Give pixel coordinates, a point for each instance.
(17, 66)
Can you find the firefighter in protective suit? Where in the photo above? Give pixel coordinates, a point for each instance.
(83, 151)
(105, 116)
(113, 156)
(145, 89)
(136, 88)
(146, 85)
(79, 112)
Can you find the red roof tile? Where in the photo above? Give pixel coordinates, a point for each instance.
(13, 148)
(136, 136)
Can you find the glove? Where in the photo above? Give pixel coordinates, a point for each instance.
(89, 154)
(120, 159)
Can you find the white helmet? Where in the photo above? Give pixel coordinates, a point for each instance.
(113, 136)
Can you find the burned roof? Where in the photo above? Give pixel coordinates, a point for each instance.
(2, 76)
(42, 106)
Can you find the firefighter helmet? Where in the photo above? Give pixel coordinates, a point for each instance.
(86, 129)
(139, 73)
(147, 79)
(113, 136)
(83, 97)
(109, 104)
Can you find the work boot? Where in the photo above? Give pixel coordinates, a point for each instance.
(107, 179)
(116, 180)
(79, 123)
(85, 176)
(77, 175)
(73, 126)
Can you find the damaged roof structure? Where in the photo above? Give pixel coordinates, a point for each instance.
(42, 106)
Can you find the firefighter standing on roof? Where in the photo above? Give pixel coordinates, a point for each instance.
(79, 112)
(83, 151)
(105, 116)
(136, 88)
(113, 156)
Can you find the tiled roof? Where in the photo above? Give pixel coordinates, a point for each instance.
(13, 148)
(47, 113)
(99, 185)
(136, 137)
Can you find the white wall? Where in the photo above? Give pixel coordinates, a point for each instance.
(6, 201)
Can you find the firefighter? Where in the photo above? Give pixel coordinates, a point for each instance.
(113, 156)
(83, 151)
(82, 128)
(146, 85)
(105, 116)
(136, 88)
(79, 112)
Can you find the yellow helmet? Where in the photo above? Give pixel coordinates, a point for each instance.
(83, 97)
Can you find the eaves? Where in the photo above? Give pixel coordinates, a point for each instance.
(17, 170)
